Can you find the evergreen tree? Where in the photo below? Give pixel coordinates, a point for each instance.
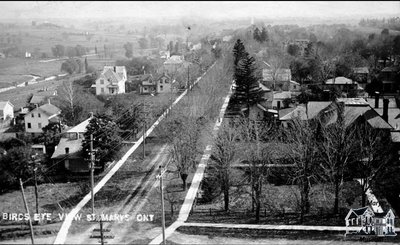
(238, 51)
(106, 140)
(248, 91)
(264, 35)
(257, 35)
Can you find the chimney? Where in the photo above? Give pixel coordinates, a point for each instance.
(385, 114)
(376, 99)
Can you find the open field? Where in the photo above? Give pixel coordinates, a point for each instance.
(18, 96)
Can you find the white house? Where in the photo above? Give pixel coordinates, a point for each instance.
(40, 117)
(6, 110)
(370, 223)
(111, 80)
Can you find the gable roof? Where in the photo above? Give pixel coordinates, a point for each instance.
(4, 103)
(264, 88)
(81, 127)
(390, 69)
(340, 81)
(361, 70)
(315, 107)
(282, 95)
(291, 113)
(111, 76)
(360, 211)
(75, 147)
(36, 99)
(50, 109)
(281, 74)
(159, 76)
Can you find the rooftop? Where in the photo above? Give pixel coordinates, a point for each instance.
(340, 80)
(361, 70)
(4, 103)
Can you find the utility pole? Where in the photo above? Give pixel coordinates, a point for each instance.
(92, 160)
(36, 162)
(160, 176)
(144, 130)
(27, 210)
(188, 78)
(101, 232)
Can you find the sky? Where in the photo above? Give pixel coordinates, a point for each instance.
(205, 9)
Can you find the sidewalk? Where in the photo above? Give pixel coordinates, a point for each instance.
(197, 178)
(277, 227)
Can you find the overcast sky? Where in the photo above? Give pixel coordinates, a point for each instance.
(206, 9)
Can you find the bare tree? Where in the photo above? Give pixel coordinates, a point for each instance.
(338, 149)
(182, 133)
(374, 154)
(301, 141)
(258, 157)
(69, 96)
(225, 151)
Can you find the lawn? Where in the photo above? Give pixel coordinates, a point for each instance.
(54, 198)
(279, 206)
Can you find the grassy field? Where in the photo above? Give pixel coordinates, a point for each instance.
(279, 206)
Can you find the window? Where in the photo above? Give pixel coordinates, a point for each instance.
(102, 90)
(32, 115)
(161, 88)
(101, 81)
(38, 114)
(39, 125)
(67, 164)
(29, 125)
(66, 150)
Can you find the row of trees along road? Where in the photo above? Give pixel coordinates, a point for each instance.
(319, 152)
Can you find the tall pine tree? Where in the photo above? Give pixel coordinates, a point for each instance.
(238, 52)
(248, 91)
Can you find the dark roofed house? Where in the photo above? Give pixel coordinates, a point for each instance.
(147, 84)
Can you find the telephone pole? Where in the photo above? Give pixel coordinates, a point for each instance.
(27, 211)
(144, 130)
(92, 160)
(36, 162)
(160, 176)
